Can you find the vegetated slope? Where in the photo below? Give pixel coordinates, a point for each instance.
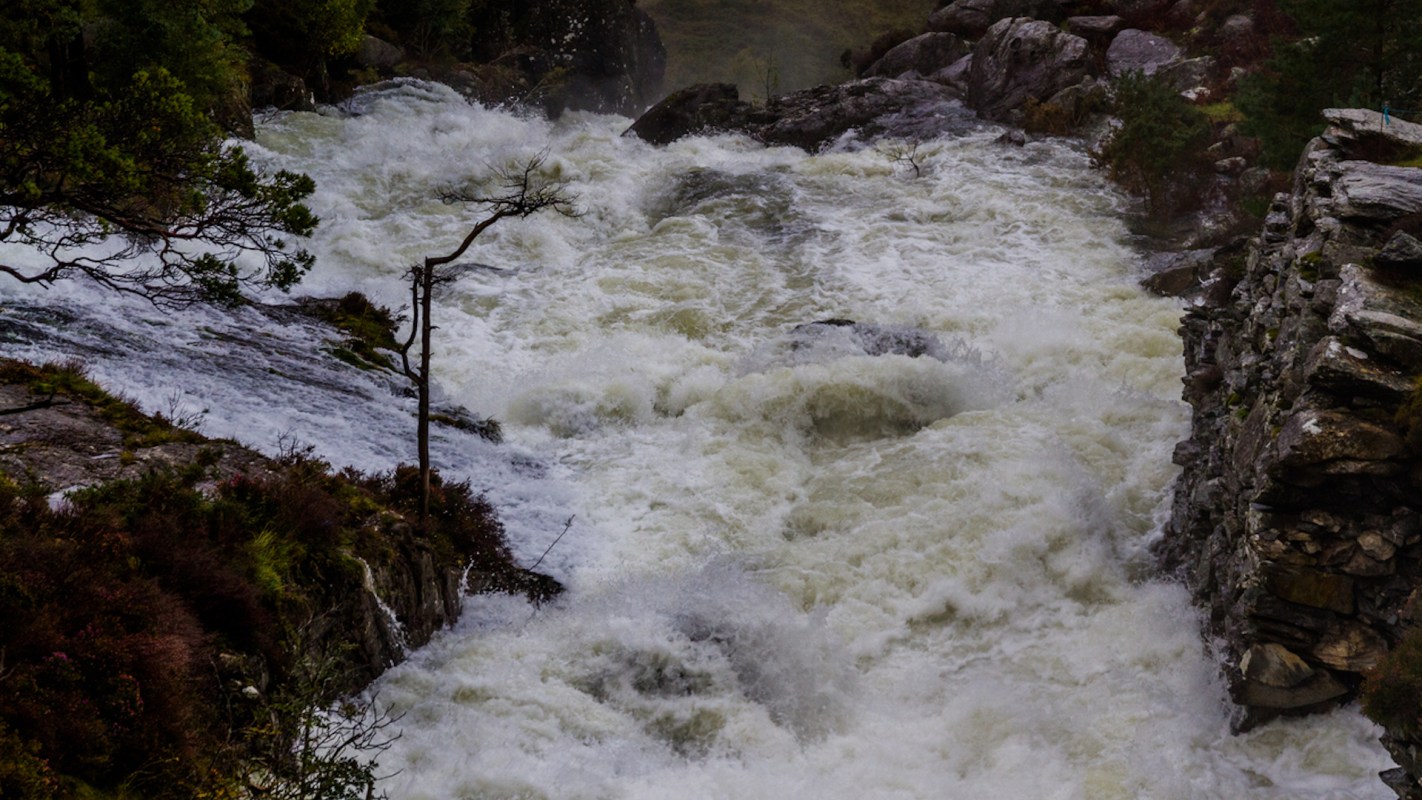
(768, 46)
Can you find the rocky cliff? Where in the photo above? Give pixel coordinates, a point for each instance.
(1297, 521)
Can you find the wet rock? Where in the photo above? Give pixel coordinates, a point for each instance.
(880, 340)
(1140, 51)
(1274, 665)
(1319, 689)
(695, 109)
(921, 55)
(1020, 58)
(809, 119)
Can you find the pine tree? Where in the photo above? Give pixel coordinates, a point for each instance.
(1364, 53)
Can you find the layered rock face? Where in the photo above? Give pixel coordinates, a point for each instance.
(1298, 518)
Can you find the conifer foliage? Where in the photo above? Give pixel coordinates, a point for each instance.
(111, 163)
(1362, 53)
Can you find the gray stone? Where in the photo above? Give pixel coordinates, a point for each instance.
(1368, 191)
(955, 75)
(1348, 371)
(1321, 688)
(703, 107)
(1358, 122)
(1139, 51)
(924, 55)
(1020, 58)
(1313, 437)
(1192, 73)
(1381, 315)
(1402, 251)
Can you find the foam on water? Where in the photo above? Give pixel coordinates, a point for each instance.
(905, 559)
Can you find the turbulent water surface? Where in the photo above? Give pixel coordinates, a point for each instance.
(902, 559)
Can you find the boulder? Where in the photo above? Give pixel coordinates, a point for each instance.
(924, 55)
(1098, 30)
(1020, 58)
(1275, 665)
(1139, 51)
(1187, 75)
(814, 118)
(1175, 274)
(695, 109)
(378, 54)
(955, 75)
(972, 18)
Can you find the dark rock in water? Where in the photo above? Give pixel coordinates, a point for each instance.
(695, 109)
(809, 119)
(1176, 274)
(881, 340)
(814, 118)
(1014, 137)
(1019, 59)
(922, 55)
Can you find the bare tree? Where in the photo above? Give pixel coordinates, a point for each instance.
(521, 191)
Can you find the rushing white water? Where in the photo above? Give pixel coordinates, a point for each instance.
(797, 568)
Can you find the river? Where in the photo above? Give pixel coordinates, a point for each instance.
(907, 558)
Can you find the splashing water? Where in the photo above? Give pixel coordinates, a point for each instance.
(905, 558)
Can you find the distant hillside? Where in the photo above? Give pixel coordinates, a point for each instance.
(778, 45)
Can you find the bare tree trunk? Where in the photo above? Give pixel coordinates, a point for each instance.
(423, 434)
(526, 194)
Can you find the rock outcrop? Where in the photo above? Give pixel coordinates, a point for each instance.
(1297, 521)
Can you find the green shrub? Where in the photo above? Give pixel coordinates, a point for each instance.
(1160, 144)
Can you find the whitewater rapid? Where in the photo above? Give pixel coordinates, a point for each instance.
(802, 563)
